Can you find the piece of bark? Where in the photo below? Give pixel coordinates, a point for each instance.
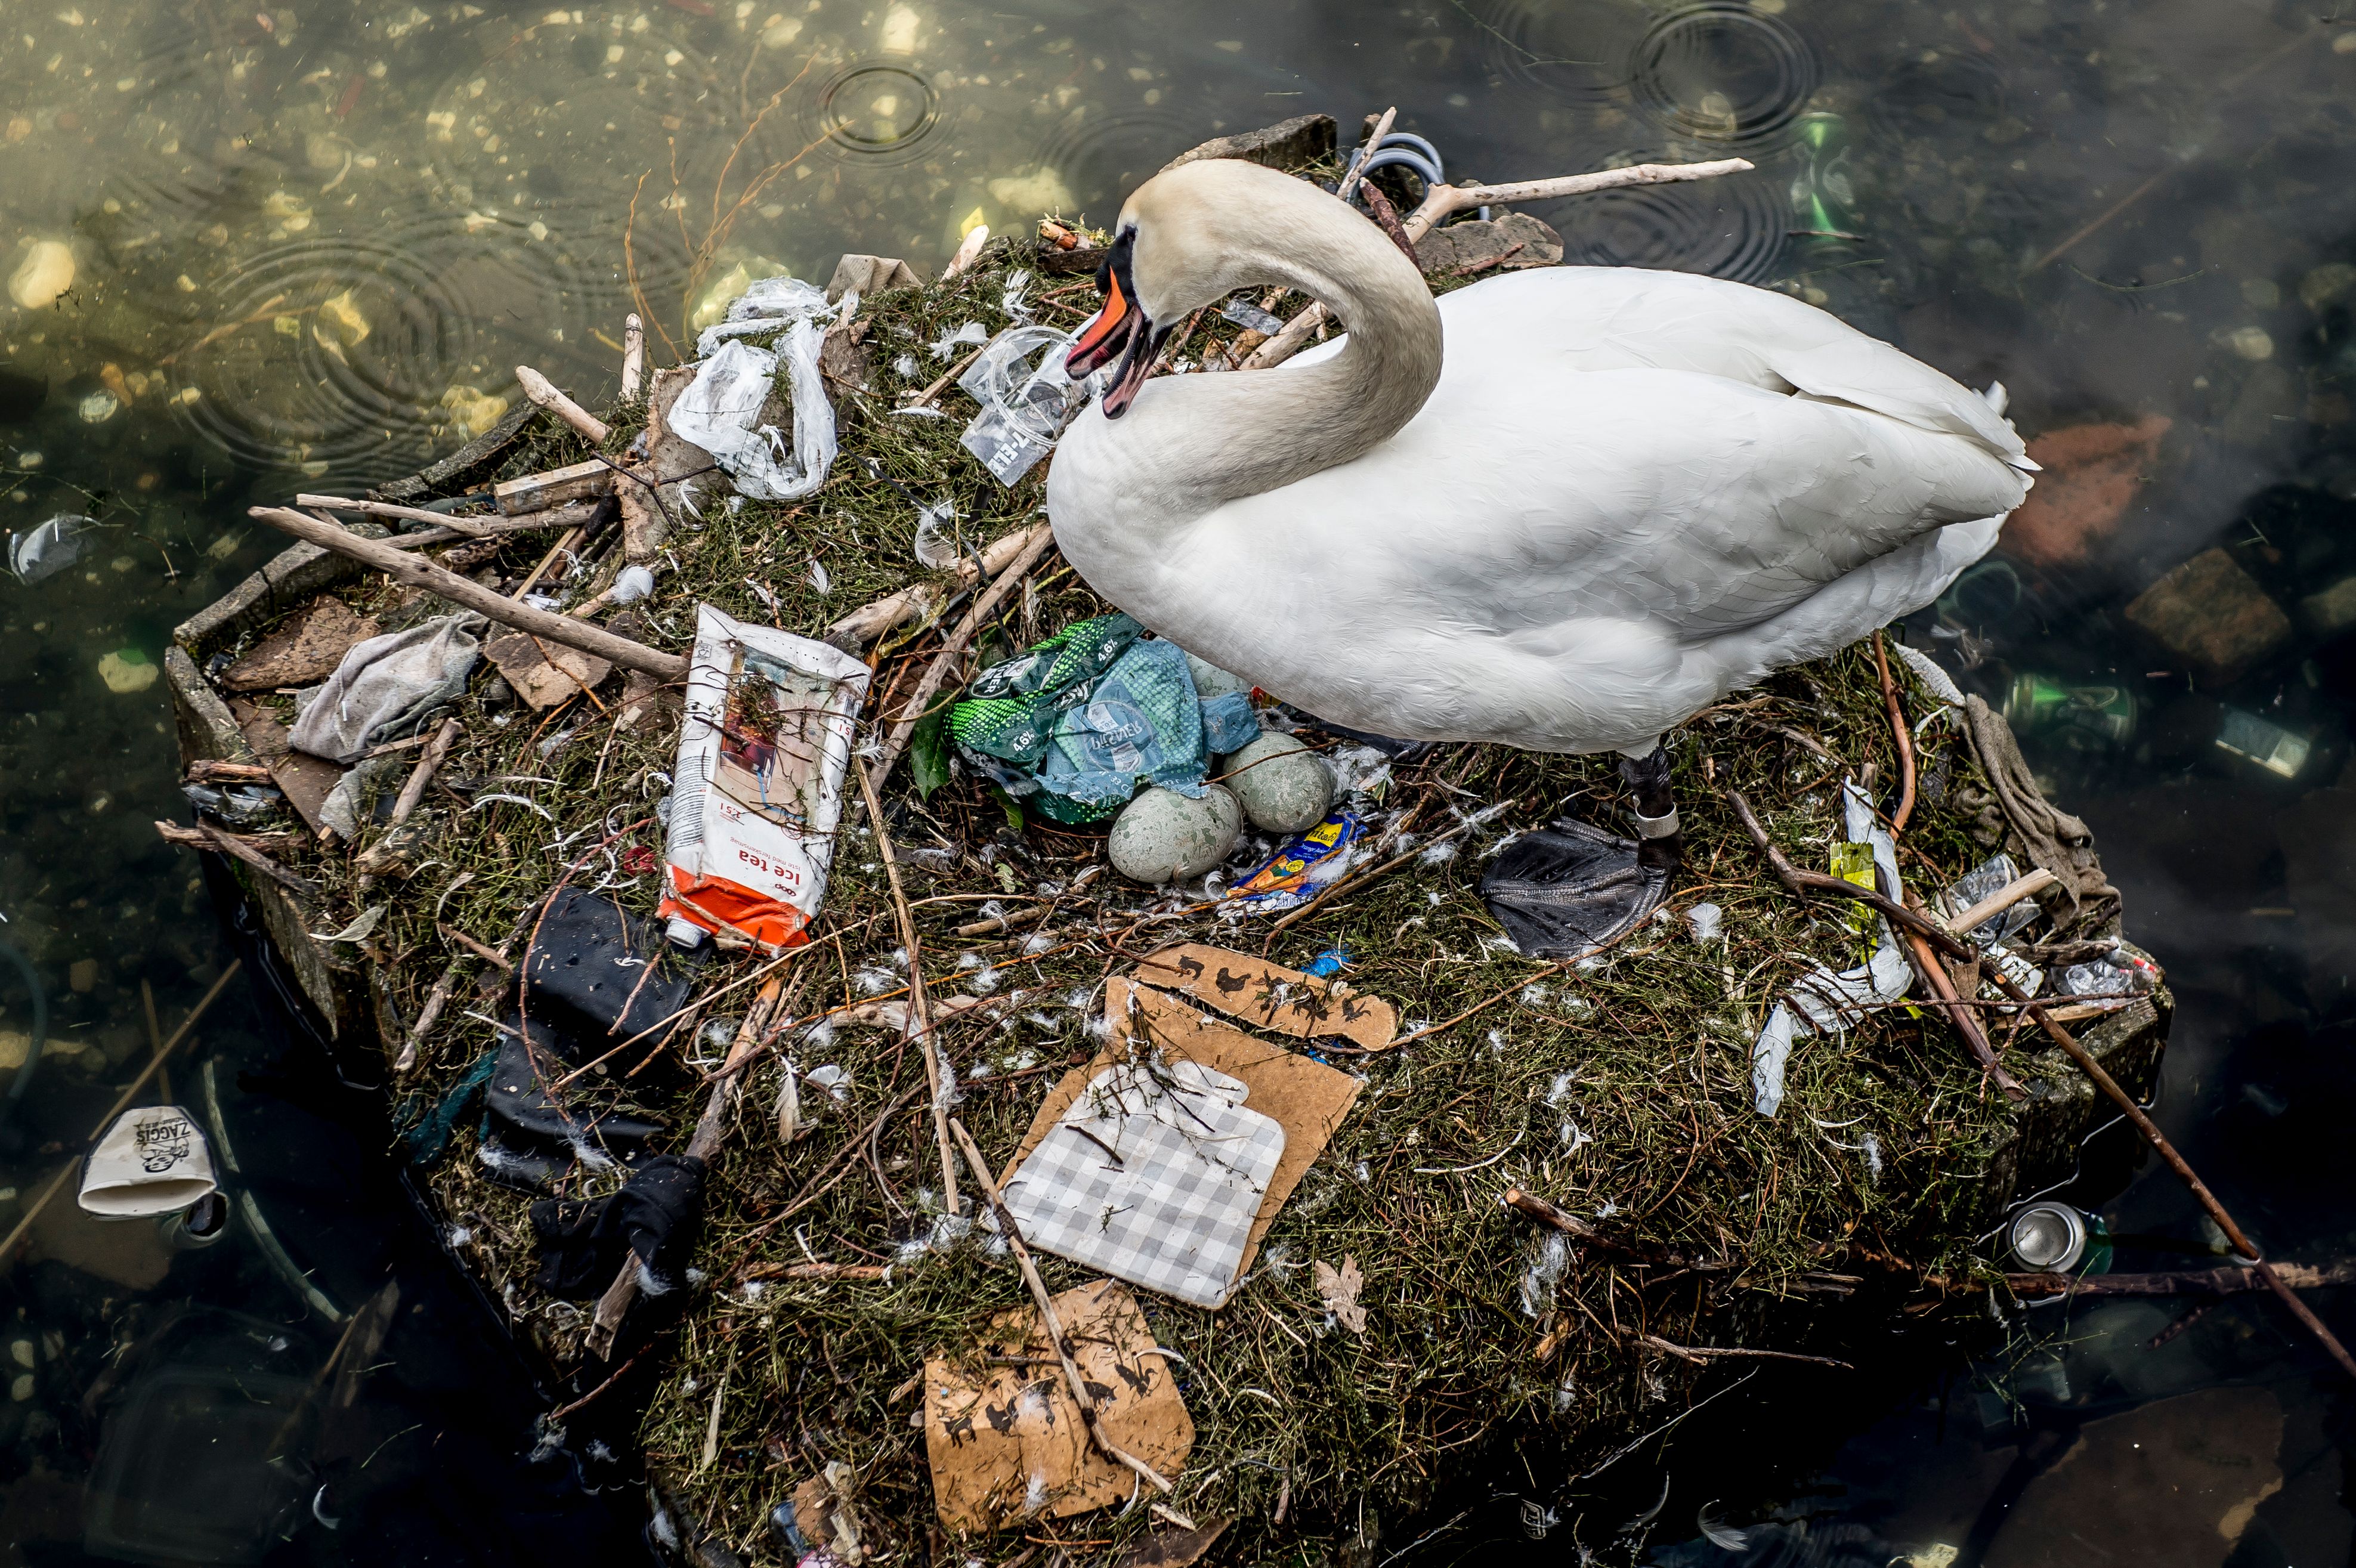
(538, 492)
(543, 673)
(647, 703)
(644, 526)
(673, 456)
(303, 651)
(1287, 145)
(1507, 243)
(843, 356)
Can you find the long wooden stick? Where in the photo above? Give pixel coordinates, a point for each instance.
(405, 804)
(1090, 1416)
(869, 622)
(1038, 538)
(1444, 200)
(1804, 882)
(919, 1022)
(633, 357)
(1905, 737)
(2199, 1282)
(470, 527)
(474, 596)
(2003, 899)
(570, 515)
(9, 1245)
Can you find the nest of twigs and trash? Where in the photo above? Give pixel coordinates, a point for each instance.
(1397, 1321)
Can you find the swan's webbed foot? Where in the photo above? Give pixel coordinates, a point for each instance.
(1567, 890)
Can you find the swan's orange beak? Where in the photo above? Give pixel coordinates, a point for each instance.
(1105, 336)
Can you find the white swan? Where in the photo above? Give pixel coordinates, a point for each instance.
(1615, 497)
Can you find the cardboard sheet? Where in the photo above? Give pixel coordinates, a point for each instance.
(1307, 1098)
(544, 673)
(303, 652)
(1271, 997)
(305, 780)
(1004, 1438)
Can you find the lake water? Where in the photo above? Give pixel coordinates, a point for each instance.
(256, 250)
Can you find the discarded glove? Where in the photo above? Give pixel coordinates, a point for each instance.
(654, 1216)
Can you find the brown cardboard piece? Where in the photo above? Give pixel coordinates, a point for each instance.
(1272, 996)
(303, 652)
(305, 780)
(544, 673)
(991, 1428)
(1308, 1098)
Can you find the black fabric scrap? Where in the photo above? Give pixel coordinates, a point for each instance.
(654, 1216)
(518, 1094)
(586, 962)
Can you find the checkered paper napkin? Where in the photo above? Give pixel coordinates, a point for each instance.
(1155, 1175)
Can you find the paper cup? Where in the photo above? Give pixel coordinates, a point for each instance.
(152, 1161)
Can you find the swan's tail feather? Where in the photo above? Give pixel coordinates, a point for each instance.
(1999, 400)
(1882, 590)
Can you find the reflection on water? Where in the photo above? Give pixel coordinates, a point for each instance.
(249, 249)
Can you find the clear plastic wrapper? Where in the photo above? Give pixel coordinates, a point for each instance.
(1026, 400)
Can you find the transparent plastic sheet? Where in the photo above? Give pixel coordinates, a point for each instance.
(720, 410)
(768, 304)
(1026, 400)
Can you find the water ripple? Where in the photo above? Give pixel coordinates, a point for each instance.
(1724, 74)
(1558, 50)
(358, 354)
(876, 110)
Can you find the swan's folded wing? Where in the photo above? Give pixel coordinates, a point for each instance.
(1686, 501)
(1609, 318)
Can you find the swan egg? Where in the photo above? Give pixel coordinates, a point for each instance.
(1282, 786)
(1164, 837)
(1211, 681)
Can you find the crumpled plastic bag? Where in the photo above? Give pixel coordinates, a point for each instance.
(769, 304)
(1026, 400)
(49, 548)
(1073, 726)
(721, 411)
(386, 685)
(1825, 1001)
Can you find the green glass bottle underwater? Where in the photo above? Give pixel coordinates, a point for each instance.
(1824, 199)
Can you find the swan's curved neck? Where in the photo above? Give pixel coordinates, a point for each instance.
(1200, 440)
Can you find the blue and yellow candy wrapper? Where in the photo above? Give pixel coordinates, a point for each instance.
(1302, 868)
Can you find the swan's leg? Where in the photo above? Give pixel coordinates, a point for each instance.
(1660, 842)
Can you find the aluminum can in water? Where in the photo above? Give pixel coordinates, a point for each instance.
(2104, 714)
